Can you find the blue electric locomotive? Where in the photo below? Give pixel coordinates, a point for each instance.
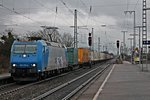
(32, 60)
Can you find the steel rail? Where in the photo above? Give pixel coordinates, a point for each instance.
(84, 84)
(28, 85)
(62, 86)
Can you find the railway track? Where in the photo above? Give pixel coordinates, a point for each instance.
(23, 91)
(33, 90)
(2, 87)
(67, 97)
(6, 80)
(67, 90)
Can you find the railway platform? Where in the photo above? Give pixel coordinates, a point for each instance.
(126, 82)
(4, 76)
(122, 82)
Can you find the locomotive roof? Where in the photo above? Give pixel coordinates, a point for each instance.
(29, 42)
(40, 41)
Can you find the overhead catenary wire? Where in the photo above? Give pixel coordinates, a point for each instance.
(89, 15)
(20, 14)
(128, 2)
(125, 22)
(55, 17)
(22, 27)
(72, 12)
(54, 11)
(83, 4)
(136, 4)
(89, 11)
(66, 6)
(1, 3)
(95, 20)
(43, 6)
(14, 23)
(114, 5)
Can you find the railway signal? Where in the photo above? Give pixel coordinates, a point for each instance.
(117, 47)
(90, 40)
(117, 43)
(90, 44)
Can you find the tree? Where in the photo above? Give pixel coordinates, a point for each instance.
(6, 46)
(67, 39)
(5, 49)
(50, 34)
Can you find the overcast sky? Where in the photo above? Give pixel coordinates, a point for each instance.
(28, 15)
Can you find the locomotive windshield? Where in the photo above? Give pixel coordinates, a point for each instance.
(24, 49)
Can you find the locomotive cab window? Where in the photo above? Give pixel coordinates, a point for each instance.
(24, 49)
(30, 49)
(18, 48)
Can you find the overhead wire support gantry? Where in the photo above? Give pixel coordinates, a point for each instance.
(75, 30)
(144, 35)
(139, 27)
(134, 31)
(124, 43)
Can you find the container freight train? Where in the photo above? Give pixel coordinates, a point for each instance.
(33, 60)
(85, 56)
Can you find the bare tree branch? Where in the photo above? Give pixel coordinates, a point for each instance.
(67, 39)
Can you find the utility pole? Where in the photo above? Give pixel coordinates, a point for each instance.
(99, 44)
(76, 34)
(121, 50)
(134, 31)
(144, 34)
(75, 30)
(131, 49)
(106, 37)
(124, 43)
(106, 48)
(103, 48)
(92, 38)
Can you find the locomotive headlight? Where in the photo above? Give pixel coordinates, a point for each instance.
(14, 65)
(24, 55)
(33, 65)
(39, 70)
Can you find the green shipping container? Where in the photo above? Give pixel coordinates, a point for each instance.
(72, 54)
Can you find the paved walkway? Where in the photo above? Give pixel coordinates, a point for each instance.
(126, 82)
